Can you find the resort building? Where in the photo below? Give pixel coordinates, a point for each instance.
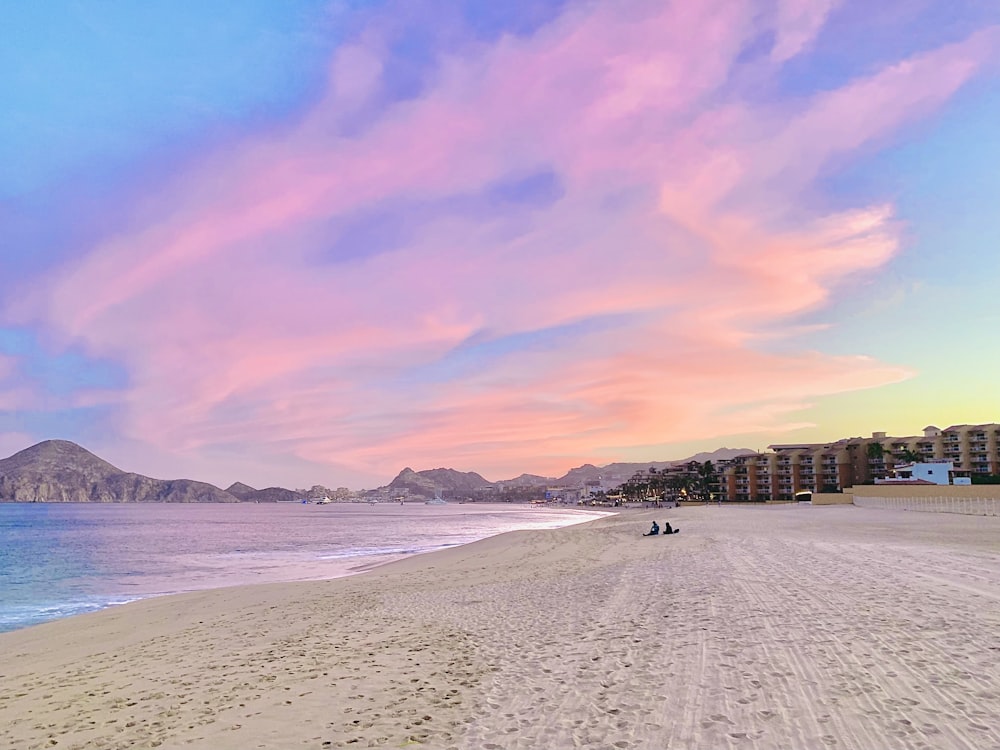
(789, 469)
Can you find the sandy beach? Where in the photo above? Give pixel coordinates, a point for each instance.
(764, 628)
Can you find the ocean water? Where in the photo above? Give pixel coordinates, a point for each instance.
(58, 560)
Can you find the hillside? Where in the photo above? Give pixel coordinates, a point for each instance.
(247, 494)
(58, 471)
(433, 481)
(528, 480)
(622, 470)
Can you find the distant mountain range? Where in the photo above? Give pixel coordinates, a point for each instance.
(58, 471)
(435, 481)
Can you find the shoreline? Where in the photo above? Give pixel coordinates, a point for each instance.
(26, 600)
(800, 627)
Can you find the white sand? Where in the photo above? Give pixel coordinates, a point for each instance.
(782, 627)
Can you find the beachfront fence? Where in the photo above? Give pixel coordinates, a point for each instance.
(977, 500)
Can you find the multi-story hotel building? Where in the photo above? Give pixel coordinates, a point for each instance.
(830, 467)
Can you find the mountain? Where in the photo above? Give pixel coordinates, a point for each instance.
(247, 494)
(241, 491)
(275, 495)
(58, 471)
(582, 474)
(622, 471)
(528, 480)
(626, 470)
(720, 454)
(433, 481)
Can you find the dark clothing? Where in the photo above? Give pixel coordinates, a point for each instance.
(654, 529)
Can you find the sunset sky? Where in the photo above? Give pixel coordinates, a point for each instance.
(310, 241)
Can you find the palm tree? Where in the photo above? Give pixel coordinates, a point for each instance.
(706, 475)
(876, 462)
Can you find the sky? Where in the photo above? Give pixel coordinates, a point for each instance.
(317, 241)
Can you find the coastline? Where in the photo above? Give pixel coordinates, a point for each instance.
(762, 628)
(70, 559)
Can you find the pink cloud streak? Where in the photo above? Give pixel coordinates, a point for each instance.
(682, 217)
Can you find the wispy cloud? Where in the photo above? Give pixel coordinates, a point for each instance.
(798, 23)
(676, 222)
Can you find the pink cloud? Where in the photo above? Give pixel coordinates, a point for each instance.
(682, 236)
(841, 121)
(798, 23)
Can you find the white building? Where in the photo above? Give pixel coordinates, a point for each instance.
(941, 471)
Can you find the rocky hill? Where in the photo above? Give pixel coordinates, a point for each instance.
(247, 494)
(622, 470)
(433, 481)
(241, 491)
(58, 471)
(581, 474)
(529, 480)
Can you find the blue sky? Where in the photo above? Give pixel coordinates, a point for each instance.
(261, 240)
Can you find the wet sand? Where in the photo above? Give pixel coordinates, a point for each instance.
(758, 628)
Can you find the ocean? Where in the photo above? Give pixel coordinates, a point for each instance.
(58, 560)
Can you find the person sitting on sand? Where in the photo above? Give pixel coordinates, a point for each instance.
(667, 528)
(653, 530)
